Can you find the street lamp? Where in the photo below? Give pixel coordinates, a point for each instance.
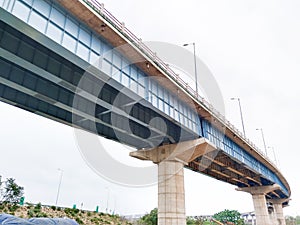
(275, 158)
(263, 137)
(107, 200)
(59, 184)
(238, 99)
(195, 64)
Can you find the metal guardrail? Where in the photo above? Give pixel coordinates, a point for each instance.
(99, 8)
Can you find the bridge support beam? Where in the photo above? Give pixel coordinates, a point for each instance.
(259, 201)
(171, 160)
(278, 210)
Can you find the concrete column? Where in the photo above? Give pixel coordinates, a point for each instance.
(252, 219)
(277, 204)
(260, 203)
(279, 213)
(261, 210)
(171, 196)
(272, 215)
(171, 160)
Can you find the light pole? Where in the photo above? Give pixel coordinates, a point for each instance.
(107, 200)
(275, 158)
(195, 64)
(241, 113)
(59, 184)
(263, 137)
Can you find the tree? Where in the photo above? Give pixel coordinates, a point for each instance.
(10, 192)
(196, 220)
(297, 219)
(150, 218)
(229, 216)
(290, 220)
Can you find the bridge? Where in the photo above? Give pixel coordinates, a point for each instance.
(49, 65)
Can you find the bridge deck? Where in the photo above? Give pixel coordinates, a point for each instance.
(39, 75)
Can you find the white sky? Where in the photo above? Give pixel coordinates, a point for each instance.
(253, 50)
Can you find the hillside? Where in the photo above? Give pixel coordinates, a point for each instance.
(81, 216)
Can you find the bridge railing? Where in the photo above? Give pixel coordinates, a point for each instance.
(137, 42)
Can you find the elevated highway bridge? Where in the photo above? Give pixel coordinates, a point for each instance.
(48, 50)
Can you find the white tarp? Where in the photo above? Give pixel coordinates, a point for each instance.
(12, 220)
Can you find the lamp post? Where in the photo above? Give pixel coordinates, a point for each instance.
(195, 64)
(59, 184)
(107, 200)
(275, 158)
(241, 113)
(263, 138)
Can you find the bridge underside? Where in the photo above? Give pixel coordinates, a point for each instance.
(224, 167)
(52, 82)
(42, 77)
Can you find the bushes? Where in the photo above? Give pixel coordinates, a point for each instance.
(71, 212)
(78, 220)
(36, 211)
(81, 217)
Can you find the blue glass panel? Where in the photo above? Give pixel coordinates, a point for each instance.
(154, 100)
(106, 47)
(172, 112)
(57, 17)
(83, 51)
(176, 115)
(160, 104)
(125, 80)
(116, 71)
(141, 77)
(21, 11)
(117, 76)
(96, 44)
(141, 91)
(69, 42)
(108, 56)
(160, 92)
(84, 36)
(134, 73)
(37, 21)
(167, 108)
(54, 32)
(125, 65)
(171, 99)
(106, 67)
(175, 103)
(117, 60)
(71, 27)
(28, 2)
(42, 7)
(133, 85)
(93, 57)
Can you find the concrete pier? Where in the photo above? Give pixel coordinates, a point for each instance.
(171, 159)
(278, 210)
(272, 215)
(171, 196)
(260, 203)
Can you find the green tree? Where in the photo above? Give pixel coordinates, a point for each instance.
(297, 219)
(196, 220)
(150, 218)
(290, 220)
(10, 192)
(229, 216)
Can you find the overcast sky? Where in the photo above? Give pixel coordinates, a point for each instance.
(253, 50)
